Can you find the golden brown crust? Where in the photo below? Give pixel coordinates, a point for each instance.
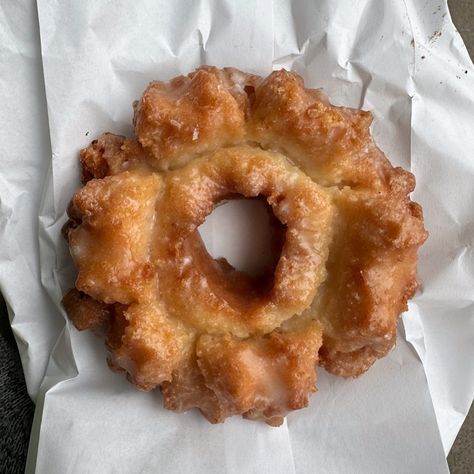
(190, 115)
(111, 245)
(331, 144)
(108, 155)
(190, 195)
(147, 344)
(372, 270)
(86, 312)
(212, 337)
(262, 377)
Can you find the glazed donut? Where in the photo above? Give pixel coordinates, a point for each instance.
(210, 336)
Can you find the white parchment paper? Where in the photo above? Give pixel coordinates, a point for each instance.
(402, 60)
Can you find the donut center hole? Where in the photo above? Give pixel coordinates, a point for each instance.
(242, 235)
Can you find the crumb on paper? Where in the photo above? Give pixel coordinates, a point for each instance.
(435, 35)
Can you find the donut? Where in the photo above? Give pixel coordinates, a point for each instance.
(345, 241)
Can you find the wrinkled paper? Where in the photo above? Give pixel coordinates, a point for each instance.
(403, 61)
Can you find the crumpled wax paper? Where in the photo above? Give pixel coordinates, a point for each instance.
(403, 61)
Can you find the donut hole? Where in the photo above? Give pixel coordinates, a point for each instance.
(243, 239)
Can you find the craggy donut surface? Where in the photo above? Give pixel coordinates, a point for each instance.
(210, 336)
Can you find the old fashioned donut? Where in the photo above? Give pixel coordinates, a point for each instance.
(210, 336)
